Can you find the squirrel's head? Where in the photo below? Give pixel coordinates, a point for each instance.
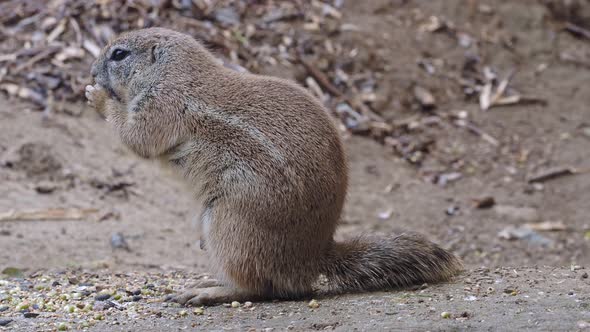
(137, 59)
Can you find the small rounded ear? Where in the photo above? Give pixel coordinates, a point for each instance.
(156, 52)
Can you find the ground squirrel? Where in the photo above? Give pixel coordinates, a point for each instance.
(267, 167)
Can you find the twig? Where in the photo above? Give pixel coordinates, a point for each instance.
(577, 30)
(555, 173)
(522, 100)
(472, 128)
(49, 214)
(322, 80)
(502, 87)
(43, 54)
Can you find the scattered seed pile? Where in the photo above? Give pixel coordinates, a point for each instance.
(76, 300)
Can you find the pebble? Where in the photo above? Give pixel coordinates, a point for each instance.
(314, 304)
(445, 314)
(136, 298)
(524, 233)
(102, 297)
(4, 322)
(248, 304)
(235, 304)
(118, 241)
(199, 311)
(103, 305)
(45, 187)
(3, 308)
(585, 275)
(31, 314)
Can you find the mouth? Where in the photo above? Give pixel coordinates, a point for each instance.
(109, 90)
(112, 93)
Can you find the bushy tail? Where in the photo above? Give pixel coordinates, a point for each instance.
(382, 263)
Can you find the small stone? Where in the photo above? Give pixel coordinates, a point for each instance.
(4, 322)
(118, 241)
(248, 304)
(445, 315)
(62, 327)
(524, 233)
(30, 314)
(235, 304)
(183, 313)
(103, 305)
(102, 297)
(4, 308)
(136, 298)
(585, 275)
(314, 304)
(45, 187)
(424, 97)
(452, 210)
(198, 311)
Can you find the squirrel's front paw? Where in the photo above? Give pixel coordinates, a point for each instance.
(91, 92)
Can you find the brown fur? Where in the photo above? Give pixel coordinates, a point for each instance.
(266, 164)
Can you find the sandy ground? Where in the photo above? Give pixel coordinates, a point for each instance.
(524, 299)
(75, 161)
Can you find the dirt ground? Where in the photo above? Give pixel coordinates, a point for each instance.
(75, 161)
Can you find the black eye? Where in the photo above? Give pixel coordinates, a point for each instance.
(119, 54)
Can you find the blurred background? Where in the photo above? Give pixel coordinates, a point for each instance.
(467, 121)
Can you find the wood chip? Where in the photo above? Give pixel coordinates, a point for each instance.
(91, 47)
(485, 202)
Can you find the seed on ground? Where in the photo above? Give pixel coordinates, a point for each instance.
(314, 304)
